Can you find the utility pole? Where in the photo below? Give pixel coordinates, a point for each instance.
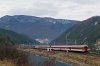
(75, 42)
(54, 43)
(84, 39)
(67, 38)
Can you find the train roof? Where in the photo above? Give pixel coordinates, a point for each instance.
(65, 45)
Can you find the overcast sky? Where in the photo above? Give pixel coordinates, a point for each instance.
(63, 9)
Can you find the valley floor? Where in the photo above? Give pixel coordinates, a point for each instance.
(74, 59)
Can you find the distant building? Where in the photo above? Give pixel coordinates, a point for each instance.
(43, 40)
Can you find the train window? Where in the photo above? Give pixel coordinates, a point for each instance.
(85, 47)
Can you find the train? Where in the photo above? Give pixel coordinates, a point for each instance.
(80, 48)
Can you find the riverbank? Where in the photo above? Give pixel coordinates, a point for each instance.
(75, 59)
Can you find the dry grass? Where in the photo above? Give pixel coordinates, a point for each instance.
(7, 63)
(86, 59)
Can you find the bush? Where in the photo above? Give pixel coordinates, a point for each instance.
(8, 51)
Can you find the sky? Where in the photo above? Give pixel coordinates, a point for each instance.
(60, 9)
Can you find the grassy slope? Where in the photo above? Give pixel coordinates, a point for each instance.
(17, 38)
(86, 28)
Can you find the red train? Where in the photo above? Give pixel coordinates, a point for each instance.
(81, 48)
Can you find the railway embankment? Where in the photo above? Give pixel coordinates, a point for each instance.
(74, 59)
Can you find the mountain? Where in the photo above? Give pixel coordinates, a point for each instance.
(86, 31)
(36, 27)
(16, 37)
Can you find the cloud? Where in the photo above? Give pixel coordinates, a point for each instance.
(86, 1)
(70, 9)
(37, 9)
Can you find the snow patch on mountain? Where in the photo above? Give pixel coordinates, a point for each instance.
(96, 23)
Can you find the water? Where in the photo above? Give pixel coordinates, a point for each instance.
(42, 61)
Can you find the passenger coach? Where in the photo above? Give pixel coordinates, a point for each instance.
(81, 48)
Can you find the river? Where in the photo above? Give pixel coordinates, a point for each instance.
(36, 60)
